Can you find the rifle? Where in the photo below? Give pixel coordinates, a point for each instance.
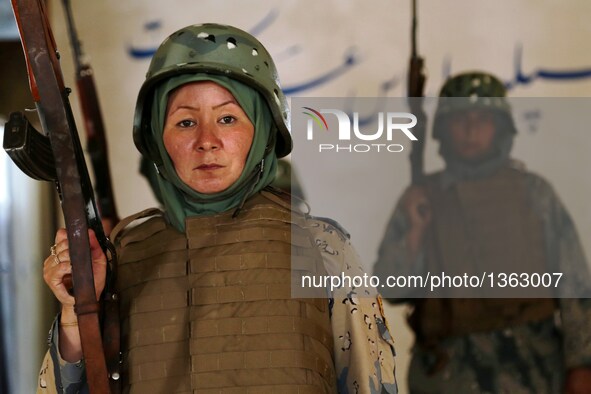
(93, 121)
(415, 86)
(33, 152)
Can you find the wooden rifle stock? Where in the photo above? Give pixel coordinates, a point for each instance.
(74, 186)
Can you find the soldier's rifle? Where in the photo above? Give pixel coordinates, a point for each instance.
(57, 156)
(415, 86)
(96, 140)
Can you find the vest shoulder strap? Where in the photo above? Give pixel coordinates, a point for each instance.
(122, 225)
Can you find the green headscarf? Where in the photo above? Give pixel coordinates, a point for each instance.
(179, 199)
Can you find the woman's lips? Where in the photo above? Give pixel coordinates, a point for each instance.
(209, 167)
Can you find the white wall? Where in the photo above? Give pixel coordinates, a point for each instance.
(26, 216)
(310, 38)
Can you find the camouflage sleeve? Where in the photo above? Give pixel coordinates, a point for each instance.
(576, 327)
(566, 255)
(394, 258)
(363, 347)
(68, 378)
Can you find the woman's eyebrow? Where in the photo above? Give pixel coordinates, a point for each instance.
(190, 107)
(185, 107)
(224, 103)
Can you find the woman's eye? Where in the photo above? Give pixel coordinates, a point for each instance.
(227, 119)
(186, 123)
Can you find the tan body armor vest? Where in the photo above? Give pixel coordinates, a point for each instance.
(485, 225)
(210, 311)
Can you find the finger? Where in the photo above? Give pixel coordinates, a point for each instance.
(95, 248)
(61, 235)
(61, 247)
(63, 256)
(50, 261)
(54, 274)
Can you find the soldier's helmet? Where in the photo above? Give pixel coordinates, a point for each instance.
(215, 49)
(472, 90)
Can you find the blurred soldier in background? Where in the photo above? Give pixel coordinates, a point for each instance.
(485, 210)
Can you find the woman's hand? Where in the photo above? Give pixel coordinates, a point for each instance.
(57, 271)
(57, 267)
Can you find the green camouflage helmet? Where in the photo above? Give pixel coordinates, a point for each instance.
(215, 49)
(471, 90)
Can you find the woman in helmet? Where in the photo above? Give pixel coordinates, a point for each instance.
(205, 286)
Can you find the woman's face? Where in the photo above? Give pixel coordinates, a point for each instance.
(207, 135)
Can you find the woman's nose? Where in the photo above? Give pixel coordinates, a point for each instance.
(207, 139)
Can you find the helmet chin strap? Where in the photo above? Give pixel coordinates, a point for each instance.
(257, 172)
(254, 178)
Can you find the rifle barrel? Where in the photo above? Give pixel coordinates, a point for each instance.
(76, 44)
(95, 130)
(413, 32)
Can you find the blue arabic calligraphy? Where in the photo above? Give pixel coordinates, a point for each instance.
(351, 59)
(524, 79)
(265, 22)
